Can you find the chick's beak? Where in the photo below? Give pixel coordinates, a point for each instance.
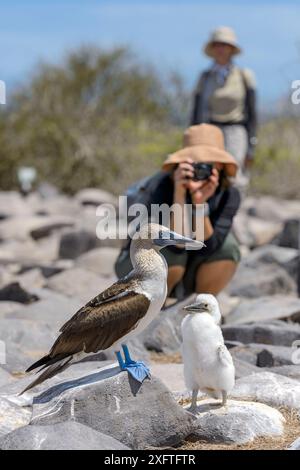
(199, 308)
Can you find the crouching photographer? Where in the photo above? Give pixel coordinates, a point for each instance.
(199, 173)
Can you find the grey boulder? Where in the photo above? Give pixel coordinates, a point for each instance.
(291, 371)
(253, 231)
(16, 359)
(5, 377)
(95, 197)
(12, 204)
(75, 242)
(25, 341)
(54, 311)
(79, 283)
(245, 353)
(50, 223)
(14, 292)
(29, 335)
(69, 435)
(37, 226)
(263, 355)
(171, 374)
(260, 280)
(164, 332)
(272, 389)
(7, 307)
(240, 422)
(29, 279)
(12, 416)
(100, 260)
(289, 236)
(264, 309)
(243, 368)
(139, 416)
(280, 334)
(271, 208)
(286, 258)
(271, 356)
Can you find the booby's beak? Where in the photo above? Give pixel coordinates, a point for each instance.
(197, 308)
(168, 237)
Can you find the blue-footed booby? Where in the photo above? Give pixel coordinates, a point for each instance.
(208, 365)
(121, 311)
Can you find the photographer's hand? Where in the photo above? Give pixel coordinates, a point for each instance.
(182, 176)
(201, 191)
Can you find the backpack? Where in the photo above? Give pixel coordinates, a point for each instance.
(143, 191)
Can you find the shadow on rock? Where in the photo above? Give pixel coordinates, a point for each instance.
(57, 390)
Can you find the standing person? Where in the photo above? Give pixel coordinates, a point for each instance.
(225, 96)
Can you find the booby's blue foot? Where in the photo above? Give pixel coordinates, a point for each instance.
(137, 369)
(120, 360)
(127, 356)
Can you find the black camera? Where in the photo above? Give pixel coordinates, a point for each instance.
(202, 171)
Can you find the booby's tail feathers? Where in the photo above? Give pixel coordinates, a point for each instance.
(51, 371)
(47, 361)
(41, 362)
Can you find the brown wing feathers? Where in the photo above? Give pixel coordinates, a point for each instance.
(117, 289)
(95, 327)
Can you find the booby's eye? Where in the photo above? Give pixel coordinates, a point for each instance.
(206, 305)
(164, 235)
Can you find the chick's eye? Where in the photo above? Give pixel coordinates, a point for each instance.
(206, 305)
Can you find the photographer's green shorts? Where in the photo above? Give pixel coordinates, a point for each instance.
(191, 260)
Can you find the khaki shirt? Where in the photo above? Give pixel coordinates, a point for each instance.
(225, 102)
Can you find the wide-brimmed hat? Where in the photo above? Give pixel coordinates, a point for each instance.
(225, 35)
(203, 143)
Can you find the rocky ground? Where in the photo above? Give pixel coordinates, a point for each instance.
(51, 263)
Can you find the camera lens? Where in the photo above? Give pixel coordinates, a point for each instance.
(202, 171)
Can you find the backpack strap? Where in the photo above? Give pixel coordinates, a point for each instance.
(197, 111)
(250, 112)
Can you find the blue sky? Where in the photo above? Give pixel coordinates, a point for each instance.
(168, 33)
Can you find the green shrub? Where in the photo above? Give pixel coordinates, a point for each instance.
(100, 119)
(277, 165)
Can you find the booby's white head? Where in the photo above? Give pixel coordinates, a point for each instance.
(157, 236)
(205, 303)
(146, 244)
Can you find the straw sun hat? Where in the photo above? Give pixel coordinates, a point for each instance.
(225, 35)
(203, 143)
